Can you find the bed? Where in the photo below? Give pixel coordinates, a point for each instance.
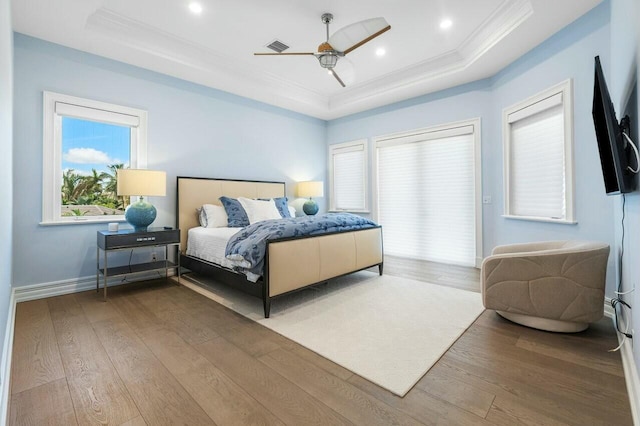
(291, 263)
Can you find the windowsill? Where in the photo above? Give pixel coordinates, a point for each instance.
(83, 221)
(541, 219)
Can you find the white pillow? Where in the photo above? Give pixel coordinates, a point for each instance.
(216, 216)
(258, 210)
(292, 211)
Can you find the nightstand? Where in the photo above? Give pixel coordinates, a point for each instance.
(128, 239)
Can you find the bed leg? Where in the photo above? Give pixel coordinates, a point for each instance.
(267, 306)
(380, 268)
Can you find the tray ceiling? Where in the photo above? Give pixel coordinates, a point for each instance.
(215, 48)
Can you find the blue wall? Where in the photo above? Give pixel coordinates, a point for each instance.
(193, 131)
(6, 177)
(568, 54)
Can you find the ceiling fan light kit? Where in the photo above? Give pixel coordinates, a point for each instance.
(328, 60)
(342, 41)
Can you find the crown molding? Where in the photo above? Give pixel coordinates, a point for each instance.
(504, 20)
(200, 64)
(414, 80)
(153, 48)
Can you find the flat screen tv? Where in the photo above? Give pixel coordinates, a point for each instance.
(612, 144)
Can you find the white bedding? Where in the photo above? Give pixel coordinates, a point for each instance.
(210, 243)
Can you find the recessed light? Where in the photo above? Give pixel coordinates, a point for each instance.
(446, 23)
(380, 51)
(195, 7)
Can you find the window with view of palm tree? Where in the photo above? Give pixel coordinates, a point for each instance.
(92, 154)
(85, 142)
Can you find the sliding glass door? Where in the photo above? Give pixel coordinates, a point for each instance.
(428, 194)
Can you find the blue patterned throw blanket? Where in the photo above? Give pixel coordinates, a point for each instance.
(249, 244)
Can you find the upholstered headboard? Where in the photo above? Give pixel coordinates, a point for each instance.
(193, 192)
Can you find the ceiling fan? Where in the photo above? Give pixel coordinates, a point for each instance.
(342, 41)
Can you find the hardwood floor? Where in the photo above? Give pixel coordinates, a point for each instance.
(157, 353)
(436, 273)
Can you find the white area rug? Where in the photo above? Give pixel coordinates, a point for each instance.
(387, 329)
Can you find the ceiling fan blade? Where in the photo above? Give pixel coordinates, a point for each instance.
(338, 78)
(284, 54)
(355, 35)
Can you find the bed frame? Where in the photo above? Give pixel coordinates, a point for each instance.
(290, 263)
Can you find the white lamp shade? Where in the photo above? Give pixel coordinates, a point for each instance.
(311, 189)
(142, 182)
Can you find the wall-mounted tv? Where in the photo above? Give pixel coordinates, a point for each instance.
(612, 143)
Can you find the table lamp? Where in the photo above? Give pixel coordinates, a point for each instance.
(143, 183)
(310, 189)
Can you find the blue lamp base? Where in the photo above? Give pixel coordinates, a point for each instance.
(140, 215)
(310, 207)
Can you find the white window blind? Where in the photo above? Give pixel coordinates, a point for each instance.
(426, 196)
(537, 165)
(535, 108)
(348, 176)
(538, 156)
(95, 114)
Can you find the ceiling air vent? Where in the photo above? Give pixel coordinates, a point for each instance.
(277, 46)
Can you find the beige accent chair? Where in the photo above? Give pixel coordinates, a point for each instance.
(554, 286)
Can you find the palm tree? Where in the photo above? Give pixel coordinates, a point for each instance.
(70, 187)
(89, 188)
(111, 185)
(99, 188)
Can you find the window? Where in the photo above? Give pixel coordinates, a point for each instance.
(538, 157)
(348, 176)
(85, 142)
(428, 193)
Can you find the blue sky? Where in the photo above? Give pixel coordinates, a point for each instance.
(90, 145)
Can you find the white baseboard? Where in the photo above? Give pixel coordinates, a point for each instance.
(5, 364)
(76, 285)
(608, 309)
(629, 366)
(631, 379)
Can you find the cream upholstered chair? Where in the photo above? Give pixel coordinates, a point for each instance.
(553, 286)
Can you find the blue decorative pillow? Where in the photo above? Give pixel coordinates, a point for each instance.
(236, 216)
(281, 205)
